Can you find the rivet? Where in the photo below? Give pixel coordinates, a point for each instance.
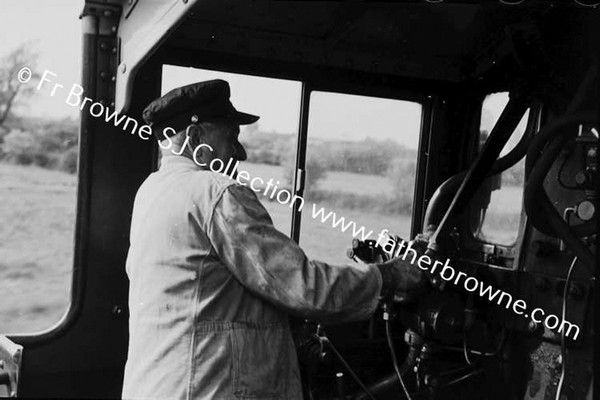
(117, 311)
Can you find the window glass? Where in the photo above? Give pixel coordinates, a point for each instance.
(361, 163)
(497, 215)
(38, 163)
(38, 188)
(271, 141)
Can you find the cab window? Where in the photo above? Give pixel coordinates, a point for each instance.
(497, 217)
(360, 171)
(38, 185)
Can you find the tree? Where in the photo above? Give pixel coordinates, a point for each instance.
(11, 90)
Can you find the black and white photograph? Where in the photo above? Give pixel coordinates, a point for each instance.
(299, 199)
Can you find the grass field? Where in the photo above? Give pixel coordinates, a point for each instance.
(36, 246)
(334, 181)
(36, 236)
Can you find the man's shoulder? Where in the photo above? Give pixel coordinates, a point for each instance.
(210, 187)
(209, 184)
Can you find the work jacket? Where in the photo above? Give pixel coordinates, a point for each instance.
(212, 283)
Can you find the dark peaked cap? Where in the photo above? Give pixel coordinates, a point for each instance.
(202, 101)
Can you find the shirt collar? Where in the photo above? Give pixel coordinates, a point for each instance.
(174, 161)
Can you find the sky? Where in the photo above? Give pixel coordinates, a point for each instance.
(53, 28)
(332, 116)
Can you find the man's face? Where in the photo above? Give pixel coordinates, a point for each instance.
(224, 141)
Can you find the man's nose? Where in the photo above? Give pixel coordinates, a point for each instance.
(240, 152)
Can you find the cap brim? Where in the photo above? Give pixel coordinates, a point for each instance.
(245, 119)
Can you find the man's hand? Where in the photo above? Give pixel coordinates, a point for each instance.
(404, 280)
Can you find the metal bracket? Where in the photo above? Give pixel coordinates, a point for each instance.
(10, 367)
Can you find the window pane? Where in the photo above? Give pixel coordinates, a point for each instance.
(498, 214)
(38, 159)
(361, 163)
(38, 190)
(270, 142)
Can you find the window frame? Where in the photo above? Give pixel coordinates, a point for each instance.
(422, 149)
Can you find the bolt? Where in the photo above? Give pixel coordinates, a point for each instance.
(580, 178)
(592, 152)
(117, 311)
(532, 326)
(430, 380)
(123, 68)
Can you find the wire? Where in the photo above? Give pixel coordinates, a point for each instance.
(563, 350)
(465, 351)
(478, 352)
(347, 366)
(388, 333)
(462, 378)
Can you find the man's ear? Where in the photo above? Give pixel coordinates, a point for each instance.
(195, 134)
(193, 130)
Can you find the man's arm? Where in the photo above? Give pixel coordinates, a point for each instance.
(274, 267)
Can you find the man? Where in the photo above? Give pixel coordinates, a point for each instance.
(212, 281)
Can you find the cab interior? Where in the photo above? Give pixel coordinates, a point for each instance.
(472, 83)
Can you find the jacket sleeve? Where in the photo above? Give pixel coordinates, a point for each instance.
(274, 267)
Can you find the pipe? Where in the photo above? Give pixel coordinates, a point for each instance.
(447, 189)
(506, 124)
